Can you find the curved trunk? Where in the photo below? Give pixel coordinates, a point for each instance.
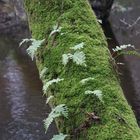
(89, 118)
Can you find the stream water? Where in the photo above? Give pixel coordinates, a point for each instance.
(22, 107)
(124, 28)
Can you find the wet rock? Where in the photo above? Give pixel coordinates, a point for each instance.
(101, 8)
(13, 18)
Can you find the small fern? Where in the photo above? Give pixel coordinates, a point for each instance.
(49, 83)
(78, 47)
(59, 137)
(66, 58)
(77, 57)
(83, 81)
(97, 93)
(60, 110)
(33, 47)
(49, 98)
(122, 47)
(56, 29)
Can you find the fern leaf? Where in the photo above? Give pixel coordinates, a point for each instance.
(33, 48)
(83, 81)
(49, 98)
(122, 47)
(49, 83)
(59, 137)
(97, 93)
(79, 58)
(25, 41)
(78, 47)
(66, 58)
(60, 110)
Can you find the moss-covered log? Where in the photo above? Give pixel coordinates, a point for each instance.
(117, 121)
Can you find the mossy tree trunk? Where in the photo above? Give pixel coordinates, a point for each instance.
(78, 22)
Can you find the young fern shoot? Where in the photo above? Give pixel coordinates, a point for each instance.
(78, 47)
(83, 81)
(59, 137)
(97, 93)
(49, 83)
(49, 99)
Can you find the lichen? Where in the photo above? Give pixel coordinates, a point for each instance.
(78, 22)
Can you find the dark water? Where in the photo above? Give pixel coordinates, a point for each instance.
(22, 107)
(124, 28)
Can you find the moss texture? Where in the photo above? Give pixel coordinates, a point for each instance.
(117, 121)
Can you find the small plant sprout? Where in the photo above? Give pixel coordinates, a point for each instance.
(59, 137)
(66, 58)
(56, 29)
(43, 72)
(78, 47)
(49, 99)
(49, 83)
(83, 81)
(120, 63)
(33, 47)
(60, 110)
(77, 57)
(100, 21)
(122, 47)
(97, 93)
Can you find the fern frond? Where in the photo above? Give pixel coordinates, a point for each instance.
(83, 81)
(43, 72)
(49, 98)
(26, 40)
(49, 83)
(33, 48)
(66, 58)
(122, 47)
(60, 110)
(78, 47)
(35, 44)
(79, 58)
(97, 93)
(59, 137)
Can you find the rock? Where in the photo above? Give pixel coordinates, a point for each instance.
(13, 18)
(101, 8)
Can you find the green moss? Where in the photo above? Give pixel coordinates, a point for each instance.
(117, 121)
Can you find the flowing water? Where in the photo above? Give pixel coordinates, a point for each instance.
(124, 28)
(22, 107)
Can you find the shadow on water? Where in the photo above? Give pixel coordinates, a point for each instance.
(22, 107)
(124, 28)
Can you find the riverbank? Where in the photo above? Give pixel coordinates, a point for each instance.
(116, 119)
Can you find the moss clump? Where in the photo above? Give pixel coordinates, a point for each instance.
(79, 24)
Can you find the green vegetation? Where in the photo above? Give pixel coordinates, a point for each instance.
(106, 116)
